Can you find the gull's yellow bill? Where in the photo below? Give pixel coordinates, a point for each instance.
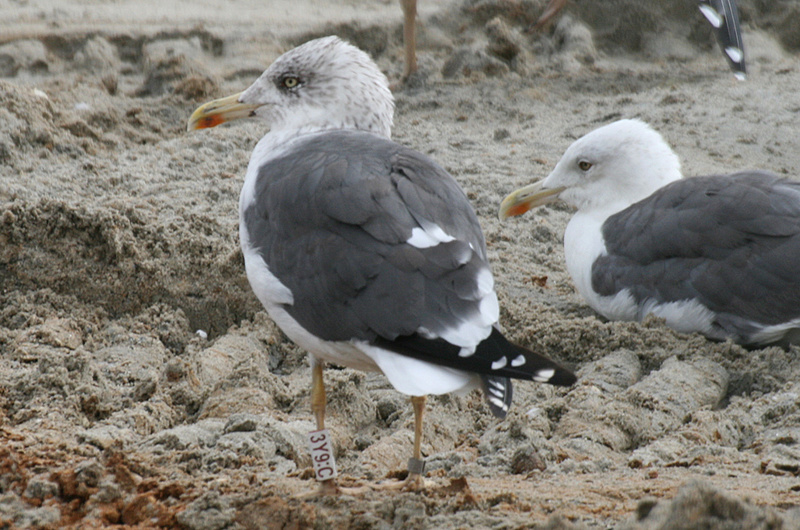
(520, 201)
(220, 111)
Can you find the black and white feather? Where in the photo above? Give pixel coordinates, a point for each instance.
(724, 16)
(366, 253)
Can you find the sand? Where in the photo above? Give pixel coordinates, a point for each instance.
(142, 386)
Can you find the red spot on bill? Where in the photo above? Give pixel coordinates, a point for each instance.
(210, 121)
(518, 209)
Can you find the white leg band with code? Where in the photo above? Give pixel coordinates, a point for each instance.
(321, 446)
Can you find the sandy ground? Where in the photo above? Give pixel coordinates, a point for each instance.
(118, 242)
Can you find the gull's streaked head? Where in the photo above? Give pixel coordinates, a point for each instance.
(324, 84)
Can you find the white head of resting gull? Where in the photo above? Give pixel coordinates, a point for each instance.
(714, 254)
(366, 253)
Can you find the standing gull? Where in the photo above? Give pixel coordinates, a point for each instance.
(366, 253)
(715, 254)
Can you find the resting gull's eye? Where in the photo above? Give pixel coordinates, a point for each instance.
(584, 165)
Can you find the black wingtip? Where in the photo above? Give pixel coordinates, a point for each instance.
(551, 373)
(543, 369)
(499, 393)
(724, 16)
(563, 377)
(495, 357)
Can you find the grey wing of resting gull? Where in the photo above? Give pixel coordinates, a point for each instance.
(731, 242)
(365, 253)
(714, 254)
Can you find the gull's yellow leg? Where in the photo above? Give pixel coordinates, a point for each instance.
(318, 395)
(318, 402)
(416, 466)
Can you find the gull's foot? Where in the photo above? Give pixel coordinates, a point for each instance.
(414, 482)
(332, 488)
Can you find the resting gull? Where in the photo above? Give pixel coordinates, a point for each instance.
(366, 253)
(715, 254)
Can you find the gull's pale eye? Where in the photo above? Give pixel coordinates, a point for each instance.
(584, 165)
(290, 82)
